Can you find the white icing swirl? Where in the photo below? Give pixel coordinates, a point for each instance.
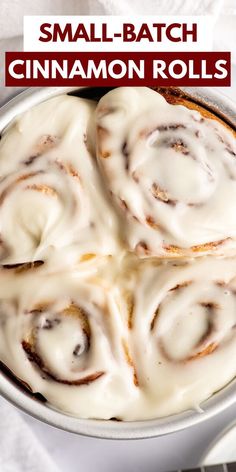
(171, 171)
(118, 336)
(63, 337)
(183, 336)
(51, 200)
(135, 341)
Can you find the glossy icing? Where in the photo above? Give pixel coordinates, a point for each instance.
(98, 330)
(171, 171)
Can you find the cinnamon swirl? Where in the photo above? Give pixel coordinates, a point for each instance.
(62, 337)
(96, 318)
(172, 172)
(52, 205)
(138, 341)
(183, 335)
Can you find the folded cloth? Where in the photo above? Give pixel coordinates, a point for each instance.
(15, 10)
(12, 12)
(20, 450)
(155, 7)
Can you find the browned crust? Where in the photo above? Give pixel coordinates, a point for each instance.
(183, 285)
(11, 186)
(161, 194)
(68, 168)
(211, 246)
(129, 299)
(175, 96)
(151, 222)
(130, 361)
(153, 322)
(102, 134)
(45, 144)
(21, 383)
(23, 267)
(78, 312)
(87, 257)
(204, 352)
(36, 359)
(45, 189)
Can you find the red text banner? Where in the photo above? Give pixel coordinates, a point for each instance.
(29, 69)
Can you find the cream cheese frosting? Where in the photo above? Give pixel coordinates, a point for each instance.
(171, 171)
(64, 337)
(85, 320)
(134, 341)
(51, 196)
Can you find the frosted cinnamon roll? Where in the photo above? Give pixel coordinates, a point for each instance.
(51, 199)
(139, 340)
(62, 336)
(171, 170)
(183, 333)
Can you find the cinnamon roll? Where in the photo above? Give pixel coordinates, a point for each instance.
(96, 318)
(171, 170)
(62, 337)
(141, 341)
(183, 332)
(52, 205)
